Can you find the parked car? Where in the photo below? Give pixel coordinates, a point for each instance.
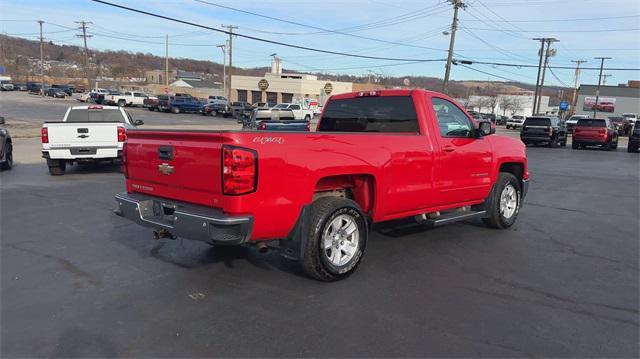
(33, 86)
(56, 93)
(572, 121)
(66, 88)
(634, 138)
(373, 159)
(86, 134)
(595, 132)
(299, 111)
(177, 104)
(128, 98)
(621, 124)
(93, 95)
(20, 86)
(549, 130)
(38, 90)
(151, 103)
(6, 149)
(515, 122)
(631, 117)
(6, 86)
(215, 109)
(218, 100)
(279, 120)
(240, 109)
(501, 120)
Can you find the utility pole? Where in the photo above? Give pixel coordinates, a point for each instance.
(83, 27)
(166, 65)
(223, 47)
(535, 96)
(595, 106)
(604, 79)
(230, 32)
(547, 54)
(41, 60)
(454, 25)
(575, 85)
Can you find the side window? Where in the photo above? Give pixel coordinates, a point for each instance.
(295, 107)
(451, 120)
(127, 93)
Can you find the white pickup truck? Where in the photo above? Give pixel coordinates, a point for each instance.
(86, 134)
(299, 112)
(128, 98)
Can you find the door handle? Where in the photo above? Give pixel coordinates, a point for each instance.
(448, 148)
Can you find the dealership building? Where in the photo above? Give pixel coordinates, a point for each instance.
(278, 87)
(612, 101)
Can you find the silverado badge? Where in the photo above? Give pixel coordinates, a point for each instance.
(165, 169)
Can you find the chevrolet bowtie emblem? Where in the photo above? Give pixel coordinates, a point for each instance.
(165, 169)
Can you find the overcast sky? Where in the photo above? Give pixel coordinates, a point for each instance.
(489, 30)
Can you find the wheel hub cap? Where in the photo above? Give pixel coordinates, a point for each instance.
(340, 240)
(508, 201)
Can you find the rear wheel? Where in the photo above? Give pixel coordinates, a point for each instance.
(8, 156)
(575, 145)
(336, 240)
(122, 103)
(607, 146)
(615, 145)
(150, 108)
(505, 202)
(57, 168)
(554, 142)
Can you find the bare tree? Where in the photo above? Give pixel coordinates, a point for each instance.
(505, 103)
(516, 105)
(491, 102)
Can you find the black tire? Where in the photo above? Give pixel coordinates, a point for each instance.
(575, 145)
(607, 146)
(122, 103)
(554, 142)
(8, 157)
(632, 148)
(315, 261)
(615, 145)
(307, 118)
(494, 218)
(57, 168)
(150, 108)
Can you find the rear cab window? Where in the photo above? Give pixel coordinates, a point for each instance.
(370, 114)
(95, 115)
(590, 122)
(537, 121)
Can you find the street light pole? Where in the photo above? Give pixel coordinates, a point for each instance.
(595, 106)
(224, 67)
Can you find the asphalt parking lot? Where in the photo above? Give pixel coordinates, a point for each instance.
(78, 281)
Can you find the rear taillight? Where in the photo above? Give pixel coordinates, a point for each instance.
(45, 135)
(262, 126)
(239, 170)
(121, 134)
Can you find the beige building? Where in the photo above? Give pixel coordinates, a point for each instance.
(278, 87)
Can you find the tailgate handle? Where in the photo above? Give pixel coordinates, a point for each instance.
(83, 130)
(165, 152)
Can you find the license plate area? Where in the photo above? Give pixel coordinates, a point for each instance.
(157, 212)
(80, 151)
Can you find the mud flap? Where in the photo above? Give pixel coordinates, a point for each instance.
(294, 245)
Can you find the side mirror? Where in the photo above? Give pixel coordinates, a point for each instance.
(138, 122)
(485, 128)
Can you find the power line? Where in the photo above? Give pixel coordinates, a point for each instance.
(560, 81)
(488, 73)
(554, 31)
(258, 38)
(309, 26)
(573, 19)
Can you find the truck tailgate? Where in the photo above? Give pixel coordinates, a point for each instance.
(178, 165)
(79, 134)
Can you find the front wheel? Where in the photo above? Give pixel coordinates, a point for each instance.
(121, 103)
(8, 157)
(336, 240)
(505, 202)
(307, 118)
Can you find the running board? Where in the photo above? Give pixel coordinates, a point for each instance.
(450, 217)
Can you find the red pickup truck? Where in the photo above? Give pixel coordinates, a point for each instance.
(376, 156)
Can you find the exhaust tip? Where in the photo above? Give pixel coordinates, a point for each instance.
(262, 247)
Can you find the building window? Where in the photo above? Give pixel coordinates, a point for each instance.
(242, 95)
(272, 98)
(256, 96)
(287, 97)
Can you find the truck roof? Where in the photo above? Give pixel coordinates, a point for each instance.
(96, 107)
